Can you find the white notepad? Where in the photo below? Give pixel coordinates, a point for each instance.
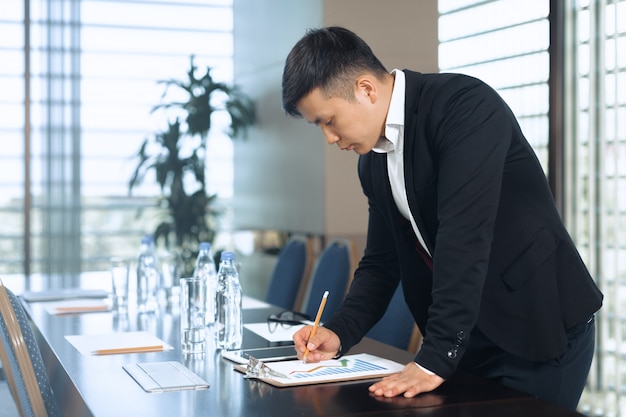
(164, 376)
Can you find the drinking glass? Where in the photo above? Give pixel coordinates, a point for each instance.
(193, 315)
(120, 269)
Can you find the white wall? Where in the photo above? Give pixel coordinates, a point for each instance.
(279, 170)
(286, 176)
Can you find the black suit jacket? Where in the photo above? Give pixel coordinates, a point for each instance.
(502, 258)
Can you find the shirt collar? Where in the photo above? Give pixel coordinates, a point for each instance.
(395, 116)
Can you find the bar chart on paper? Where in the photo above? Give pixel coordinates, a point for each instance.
(348, 368)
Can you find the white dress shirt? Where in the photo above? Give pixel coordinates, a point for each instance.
(393, 145)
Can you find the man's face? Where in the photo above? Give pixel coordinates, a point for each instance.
(351, 124)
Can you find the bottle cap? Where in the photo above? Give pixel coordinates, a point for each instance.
(205, 246)
(227, 255)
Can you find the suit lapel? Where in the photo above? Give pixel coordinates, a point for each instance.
(411, 155)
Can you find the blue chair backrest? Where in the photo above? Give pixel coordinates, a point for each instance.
(332, 274)
(18, 376)
(288, 274)
(396, 326)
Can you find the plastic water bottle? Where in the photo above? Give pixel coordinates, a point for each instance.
(148, 276)
(228, 321)
(205, 269)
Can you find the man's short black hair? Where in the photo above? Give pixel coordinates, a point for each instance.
(329, 58)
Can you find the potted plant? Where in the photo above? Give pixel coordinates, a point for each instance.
(177, 157)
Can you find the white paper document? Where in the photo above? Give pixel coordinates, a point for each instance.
(63, 294)
(346, 368)
(280, 334)
(249, 303)
(117, 343)
(76, 306)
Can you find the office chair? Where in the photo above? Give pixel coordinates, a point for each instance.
(397, 326)
(332, 273)
(290, 273)
(22, 360)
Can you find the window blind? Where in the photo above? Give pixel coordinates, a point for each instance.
(504, 43)
(596, 134)
(93, 79)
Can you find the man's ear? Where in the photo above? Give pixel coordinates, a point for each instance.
(366, 87)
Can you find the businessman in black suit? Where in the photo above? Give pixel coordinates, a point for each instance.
(460, 213)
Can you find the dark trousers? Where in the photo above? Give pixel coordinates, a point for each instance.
(559, 381)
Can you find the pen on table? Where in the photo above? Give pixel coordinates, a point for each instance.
(315, 325)
(81, 309)
(138, 349)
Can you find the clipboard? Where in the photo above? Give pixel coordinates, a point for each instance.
(347, 368)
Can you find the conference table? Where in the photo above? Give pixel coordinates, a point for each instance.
(97, 385)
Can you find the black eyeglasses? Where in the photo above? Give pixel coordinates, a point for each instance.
(286, 319)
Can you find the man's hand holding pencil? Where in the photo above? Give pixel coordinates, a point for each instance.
(323, 345)
(314, 343)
